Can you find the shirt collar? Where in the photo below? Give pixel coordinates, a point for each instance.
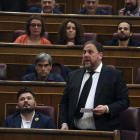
(137, 14)
(30, 119)
(98, 70)
(43, 12)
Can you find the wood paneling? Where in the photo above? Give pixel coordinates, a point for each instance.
(46, 93)
(19, 56)
(42, 134)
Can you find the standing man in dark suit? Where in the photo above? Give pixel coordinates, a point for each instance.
(107, 97)
(91, 8)
(27, 117)
(47, 7)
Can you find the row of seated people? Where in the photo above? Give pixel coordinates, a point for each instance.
(55, 72)
(131, 8)
(71, 32)
(29, 115)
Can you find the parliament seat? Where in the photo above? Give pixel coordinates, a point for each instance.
(3, 72)
(137, 79)
(130, 124)
(22, 32)
(107, 8)
(90, 36)
(47, 110)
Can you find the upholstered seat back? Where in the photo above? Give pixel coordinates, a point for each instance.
(22, 32)
(130, 124)
(89, 36)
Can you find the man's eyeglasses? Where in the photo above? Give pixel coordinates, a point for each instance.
(34, 25)
(40, 65)
(93, 2)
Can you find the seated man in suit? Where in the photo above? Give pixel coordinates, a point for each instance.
(47, 7)
(26, 117)
(94, 95)
(132, 8)
(43, 66)
(91, 8)
(124, 31)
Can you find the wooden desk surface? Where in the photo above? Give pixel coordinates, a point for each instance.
(42, 134)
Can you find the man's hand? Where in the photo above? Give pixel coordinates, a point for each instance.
(100, 110)
(64, 127)
(121, 12)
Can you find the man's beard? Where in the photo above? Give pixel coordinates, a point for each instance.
(123, 38)
(27, 110)
(133, 6)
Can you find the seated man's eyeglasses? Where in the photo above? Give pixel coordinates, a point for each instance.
(40, 65)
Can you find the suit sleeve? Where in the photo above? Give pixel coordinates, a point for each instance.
(5, 123)
(64, 106)
(50, 124)
(121, 97)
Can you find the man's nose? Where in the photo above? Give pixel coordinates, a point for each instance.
(47, 4)
(43, 67)
(90, 4)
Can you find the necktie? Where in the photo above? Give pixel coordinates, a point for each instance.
(84, 95)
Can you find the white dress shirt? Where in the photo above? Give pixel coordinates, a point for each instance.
(87, 121)
(26, 124)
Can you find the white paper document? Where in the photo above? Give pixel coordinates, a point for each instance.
(83, 110)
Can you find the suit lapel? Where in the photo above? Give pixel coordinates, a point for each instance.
(78, 82)
(35, 121)
(101, 82)
(18, 121)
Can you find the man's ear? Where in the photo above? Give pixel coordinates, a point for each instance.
(131, 34)
(101, 55)
(35, 103)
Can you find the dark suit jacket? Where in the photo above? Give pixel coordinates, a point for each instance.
(111, 90)
(38, 10)
(116, 43)
(98, 12)
(43, 121)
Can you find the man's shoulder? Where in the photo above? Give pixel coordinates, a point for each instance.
(40, 115)
(134, 43)
(55, 77)
(82, 11)
(35, 10)
(29, 77)
(112, 42)
(101, 12)
(13, 115)
(57, 12)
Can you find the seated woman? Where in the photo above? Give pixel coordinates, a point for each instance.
(34, 32)
(70, 33)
